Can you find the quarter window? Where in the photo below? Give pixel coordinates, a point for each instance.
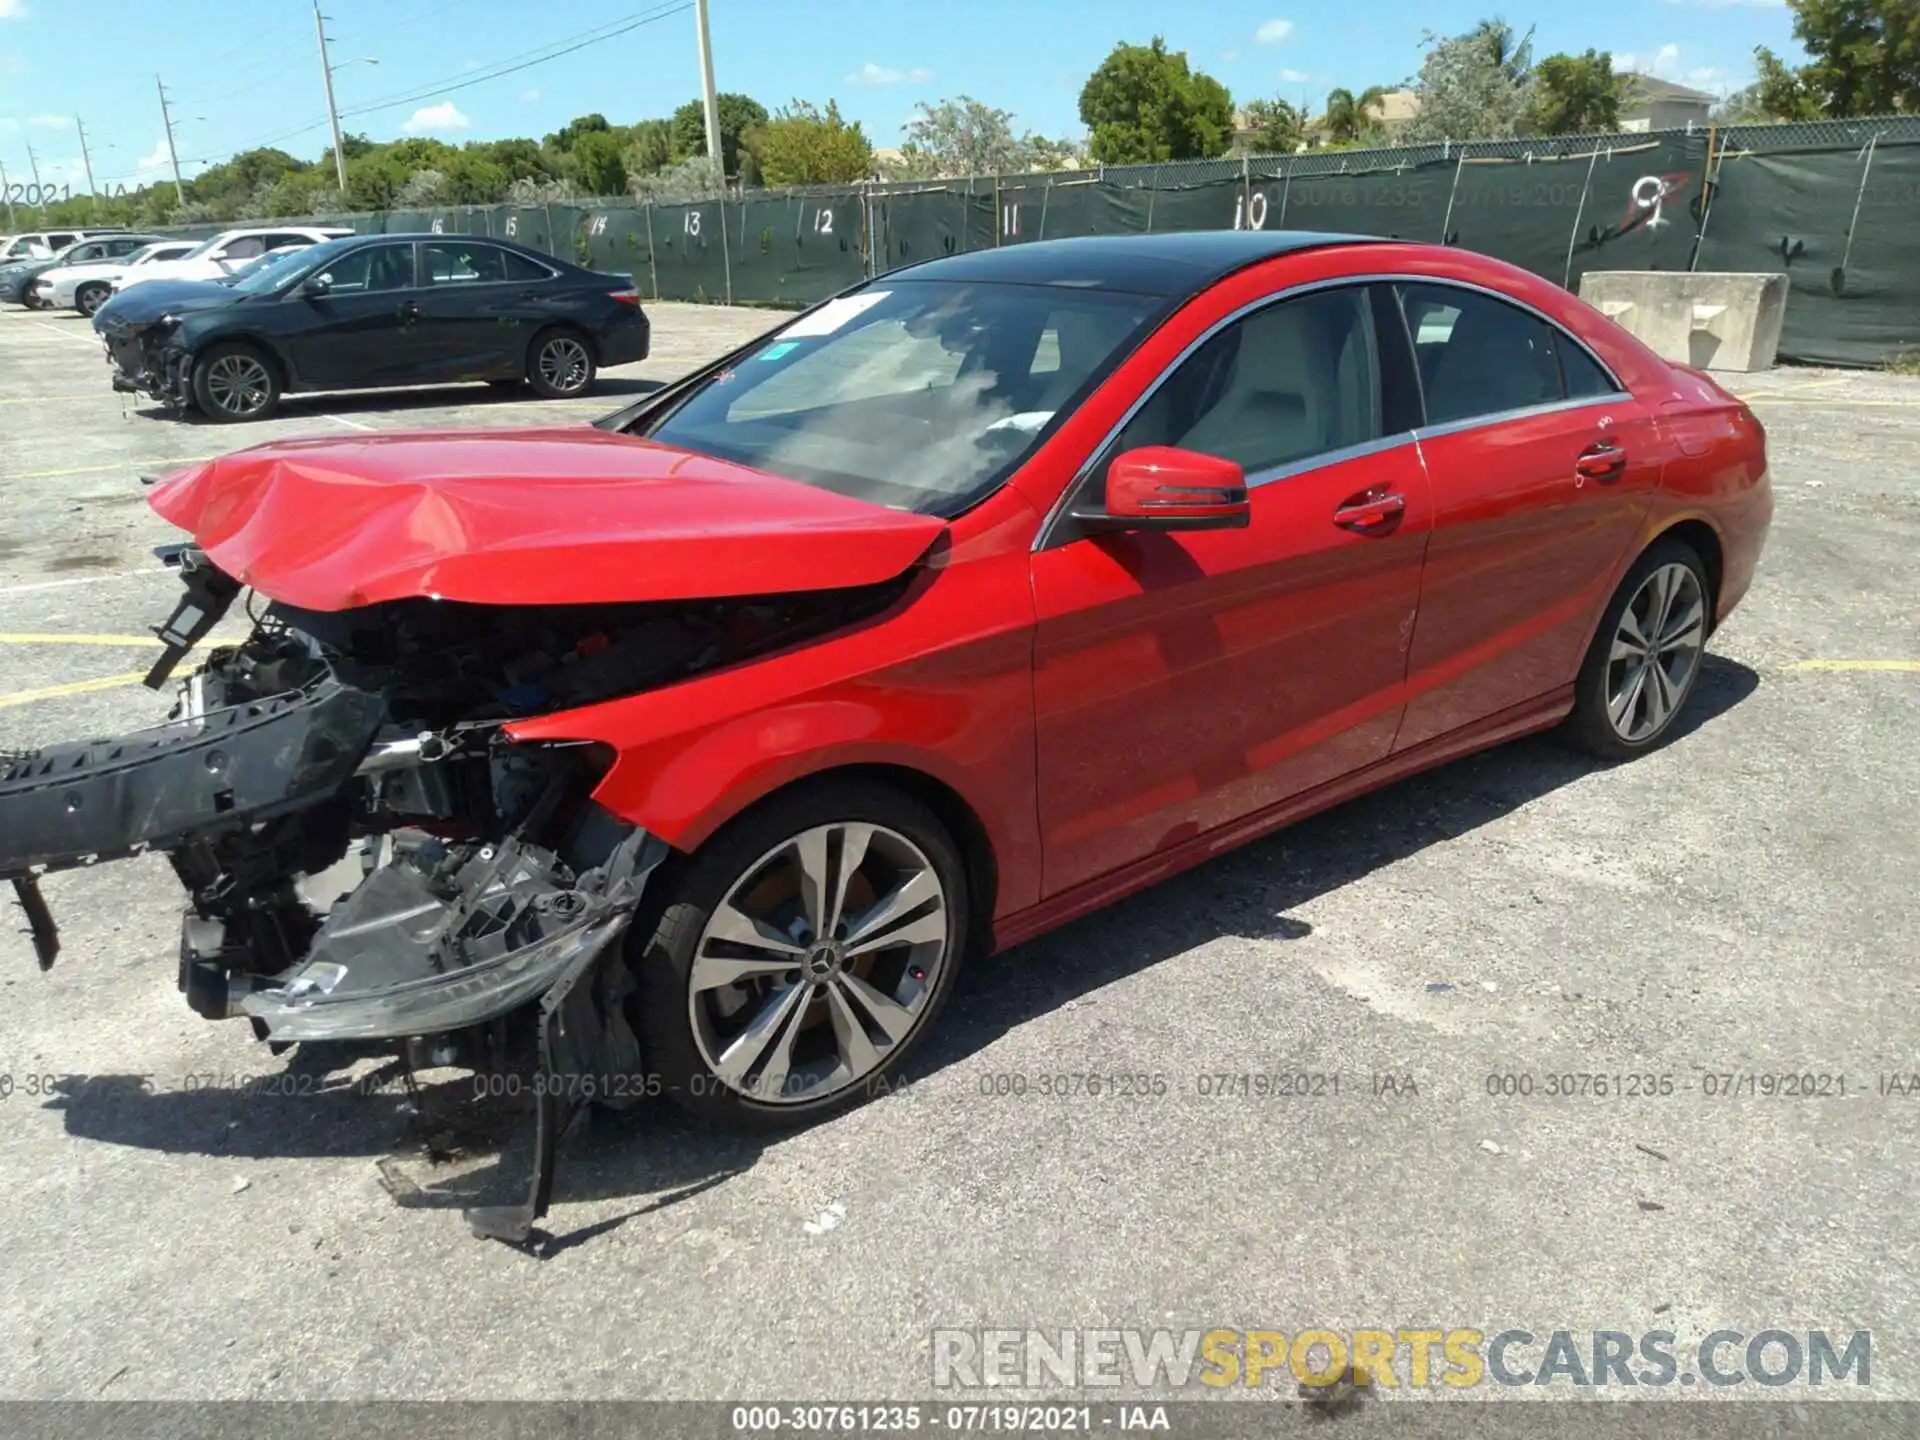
(1295, 380)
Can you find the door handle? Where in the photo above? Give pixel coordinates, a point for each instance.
(1371, 512)
(1602, 460)
(409, 309)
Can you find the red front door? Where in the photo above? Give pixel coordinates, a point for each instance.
(1183, 680)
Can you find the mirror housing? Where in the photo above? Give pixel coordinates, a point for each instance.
(1162, 487)
(315, 286)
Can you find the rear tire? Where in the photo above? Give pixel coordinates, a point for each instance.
(829, 1000)
(1645, 658)
(89, 298)
(560, 364)
(235, 382)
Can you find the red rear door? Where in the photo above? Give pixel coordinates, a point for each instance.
(1542, 472)
(1183, 680)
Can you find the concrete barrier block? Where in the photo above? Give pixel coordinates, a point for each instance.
(1715, 320)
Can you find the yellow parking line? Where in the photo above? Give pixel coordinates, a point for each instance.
(78, 640)
(1855, 665)
(72, 687)
(135, 466)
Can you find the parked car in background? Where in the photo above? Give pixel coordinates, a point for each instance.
(373, 310)
(220, 256)
(17, 277)
(84, 285)
(40, 244)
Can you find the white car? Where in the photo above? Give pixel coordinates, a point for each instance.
(41, 244)
(226, 252)
(86, 286)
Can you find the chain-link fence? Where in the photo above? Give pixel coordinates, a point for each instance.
(1831, 203)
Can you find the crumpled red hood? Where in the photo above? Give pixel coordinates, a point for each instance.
(524, 517)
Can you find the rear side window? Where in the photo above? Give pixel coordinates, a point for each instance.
(1295, 380)
(1585, 380)
(518, 267)
(1478, 355)
(458, 263)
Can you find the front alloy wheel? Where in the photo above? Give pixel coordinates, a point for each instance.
(235, 383)
(806, 949)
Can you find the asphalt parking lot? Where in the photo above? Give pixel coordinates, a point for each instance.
(1741, 903)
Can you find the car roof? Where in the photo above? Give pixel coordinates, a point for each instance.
(1173, 265)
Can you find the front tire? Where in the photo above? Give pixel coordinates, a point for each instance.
(801, 954)
(1645, 658)
(560, 364)
(235, 382)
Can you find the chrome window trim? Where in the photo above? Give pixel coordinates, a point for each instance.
(1286, 470)
(1043, 538)
(1500, 417)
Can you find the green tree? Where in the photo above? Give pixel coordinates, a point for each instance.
(649, 147)
(805, 145)
(738, 115)
(1145, 103)
(598, 164)
(1349, 116)
(1476, 86)
(520, 159)
(1866, 61)
(1276, 127)
(963, 136)
(1577, 94)
(569, 134)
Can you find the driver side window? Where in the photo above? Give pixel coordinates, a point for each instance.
(1296, 379)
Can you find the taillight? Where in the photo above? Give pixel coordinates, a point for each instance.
(626, 297)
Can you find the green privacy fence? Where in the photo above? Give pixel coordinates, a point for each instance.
(1832, 204)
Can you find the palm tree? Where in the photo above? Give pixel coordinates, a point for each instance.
(1348, 115)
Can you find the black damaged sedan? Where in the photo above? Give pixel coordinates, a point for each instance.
(370, 311)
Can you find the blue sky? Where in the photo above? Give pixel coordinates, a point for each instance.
(245, 71)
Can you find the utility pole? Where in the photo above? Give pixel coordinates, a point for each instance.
(166, 121)
(707, 95)
(333, 111)
(33, 164)
(6, 190)
(85, 158)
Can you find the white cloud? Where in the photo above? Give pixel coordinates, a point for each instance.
(1290, 76)
(156, 160)
(1273, 32)
(872, 74)
(527, 97)
(1662, 63)
(1229, 56)
(435, 119)
(49, 122)
(13, 10)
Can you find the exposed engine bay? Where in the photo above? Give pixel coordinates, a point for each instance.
(368, 855)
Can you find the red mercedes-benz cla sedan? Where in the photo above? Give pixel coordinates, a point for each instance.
(700, 747)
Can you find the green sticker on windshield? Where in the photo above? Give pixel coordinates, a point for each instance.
(774, 352)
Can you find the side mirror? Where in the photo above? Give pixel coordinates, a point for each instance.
(1161, 487)
(314, 287)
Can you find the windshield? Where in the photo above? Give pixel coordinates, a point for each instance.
(270, 271)
(919, 395)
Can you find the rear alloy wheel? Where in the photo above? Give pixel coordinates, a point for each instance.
(90, 298)
(804, 951)
(235, 382)
(560, 365)
(1646, 656)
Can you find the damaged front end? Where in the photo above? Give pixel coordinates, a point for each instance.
(369, 856)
